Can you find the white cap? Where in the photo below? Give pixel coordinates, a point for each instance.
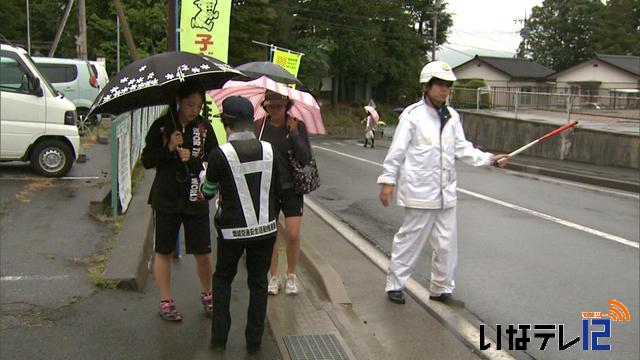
(437, 69)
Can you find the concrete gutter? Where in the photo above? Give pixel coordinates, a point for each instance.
(581, 178)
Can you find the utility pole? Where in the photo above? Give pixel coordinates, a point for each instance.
(63, 23)
(117, 43)
(435, 29)
(171, 25)
(127, 31)
(82, 29)
(28, 29)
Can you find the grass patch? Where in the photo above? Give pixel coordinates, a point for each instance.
(96, 264)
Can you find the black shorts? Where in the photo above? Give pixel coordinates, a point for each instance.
(197, 232)
(290, 203)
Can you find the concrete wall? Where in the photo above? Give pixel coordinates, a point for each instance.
(589, 146)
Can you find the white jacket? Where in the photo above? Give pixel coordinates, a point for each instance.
(421, 160)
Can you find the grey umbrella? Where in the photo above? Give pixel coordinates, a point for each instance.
(271, 70)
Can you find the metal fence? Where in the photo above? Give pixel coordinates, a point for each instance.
(128, 131)
(619, 103)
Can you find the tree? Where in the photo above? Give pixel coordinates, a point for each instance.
(560, 33)
(379, 43)
(618, 30)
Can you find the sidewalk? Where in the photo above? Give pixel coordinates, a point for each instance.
(342, 295)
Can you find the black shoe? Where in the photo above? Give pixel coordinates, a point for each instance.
(446, 298)
(218, 344)
(396, 296)
(253, 349)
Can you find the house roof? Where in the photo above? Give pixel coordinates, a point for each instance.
(627, 63)
(515, 68)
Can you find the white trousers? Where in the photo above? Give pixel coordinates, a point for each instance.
(420, 225)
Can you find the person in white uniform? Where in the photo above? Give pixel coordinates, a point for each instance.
(420, 169)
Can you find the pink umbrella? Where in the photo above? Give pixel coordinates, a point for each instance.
(372, 112)
(305, 107)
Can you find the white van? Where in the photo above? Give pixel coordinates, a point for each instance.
(76, 80)
(36, 124)
(101, 73)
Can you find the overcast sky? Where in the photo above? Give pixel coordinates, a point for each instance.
(484, 27)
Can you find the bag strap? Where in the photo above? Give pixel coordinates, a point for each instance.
(260, 125)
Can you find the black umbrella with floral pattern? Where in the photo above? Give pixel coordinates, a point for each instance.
(154, 80)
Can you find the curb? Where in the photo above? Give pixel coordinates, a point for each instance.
(130, 258)
(591, 180)
(455, 322)
(325, 274)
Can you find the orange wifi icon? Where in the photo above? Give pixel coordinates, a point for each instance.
(619, 312)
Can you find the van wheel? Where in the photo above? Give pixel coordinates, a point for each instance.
(51, 158)
(83, 122)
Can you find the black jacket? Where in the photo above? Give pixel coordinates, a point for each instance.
(175, 188)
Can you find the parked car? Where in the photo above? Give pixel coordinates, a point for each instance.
(76, 80)
(101, 73)
(36, 123)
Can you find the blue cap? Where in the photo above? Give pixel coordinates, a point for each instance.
(237, 109)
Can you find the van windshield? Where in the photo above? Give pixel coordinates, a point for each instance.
(43, 79)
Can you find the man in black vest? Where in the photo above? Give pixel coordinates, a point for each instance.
(244, 170)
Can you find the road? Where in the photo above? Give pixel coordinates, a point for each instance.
(532, 250)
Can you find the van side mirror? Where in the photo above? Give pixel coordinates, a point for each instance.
(37, 89)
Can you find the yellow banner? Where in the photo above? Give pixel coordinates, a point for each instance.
(287, 60)
(204, 29)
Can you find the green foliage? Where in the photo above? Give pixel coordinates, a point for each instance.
(617, 31)
(562, 33)
(380, 43)
(465, 94)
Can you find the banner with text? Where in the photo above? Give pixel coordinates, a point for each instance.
(204, 29)
(289, 61)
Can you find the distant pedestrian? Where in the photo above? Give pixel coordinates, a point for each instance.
(288, 136)
(176, 146)
(381, 127)
(369, 128)
(420, 168)
(245, 172)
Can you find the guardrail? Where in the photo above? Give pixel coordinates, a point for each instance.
(619, 103)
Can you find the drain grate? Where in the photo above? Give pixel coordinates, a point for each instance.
(315, 347)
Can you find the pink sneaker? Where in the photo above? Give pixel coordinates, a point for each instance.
(169, 312)
(207, 302)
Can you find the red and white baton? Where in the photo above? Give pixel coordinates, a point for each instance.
(548, 135)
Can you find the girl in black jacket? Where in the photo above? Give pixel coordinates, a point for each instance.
(177, 145)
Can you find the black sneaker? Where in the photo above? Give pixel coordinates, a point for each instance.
(218, 345)
(396, 296)
(253, 349)
(446, 298)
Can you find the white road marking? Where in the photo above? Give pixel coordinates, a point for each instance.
(450, 317)
(80, 178)
(34, 178)
(33, 277)
(554, 219)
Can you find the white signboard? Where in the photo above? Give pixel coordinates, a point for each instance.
(124, 162)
